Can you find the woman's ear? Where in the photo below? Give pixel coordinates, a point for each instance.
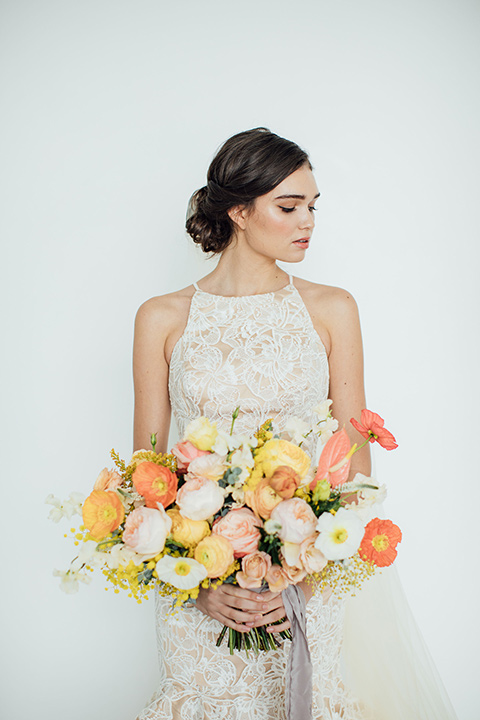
(238, 214)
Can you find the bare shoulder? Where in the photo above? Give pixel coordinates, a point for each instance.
(165, 311)
(332, 309)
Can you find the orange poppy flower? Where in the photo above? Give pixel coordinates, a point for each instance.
(380, 542)
(156, 483)
(102, 513)
(372, 429)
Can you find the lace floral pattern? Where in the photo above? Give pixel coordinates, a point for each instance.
(260, 352)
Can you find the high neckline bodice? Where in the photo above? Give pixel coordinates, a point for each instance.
(240, 297)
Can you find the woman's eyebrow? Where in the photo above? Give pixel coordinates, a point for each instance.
(297, 197)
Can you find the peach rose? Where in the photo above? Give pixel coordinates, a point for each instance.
(215, 553)
(185, 531)
(210, 466)
(297, 519)
(293, 573)
(276, 578)
(102, 513)
(185, 452)
(285, 481)
(263, 499)
(240, 527)
(146, 530)
(156, 483)
(108, 480)
(312, 558)
(200, 499)
(254, 568)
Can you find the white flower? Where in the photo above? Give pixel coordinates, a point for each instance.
(296, 429)
(243, 458)
(340, 534)
(68, 508)
(272, 526)
(291, 553)
(296, 518)
(69, 580)
(87, 555)
(323, 409)
(182, 572)
(326, 429)
(121, 554)
(146, 530)
(210, 466)
(199, 499)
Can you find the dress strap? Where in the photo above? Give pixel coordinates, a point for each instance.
(195, 286)
(290, 280)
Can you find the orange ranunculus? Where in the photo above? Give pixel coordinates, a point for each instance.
(335, 454)
(380, 542)
(215, 553)
(156, 483)
(263, 499)
(372, 429)
(285, 481)
(254, 568)
(102, 513)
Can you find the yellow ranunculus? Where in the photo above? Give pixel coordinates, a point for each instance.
(185, 531)
(277, 452)
(215, 553)
(201, 433)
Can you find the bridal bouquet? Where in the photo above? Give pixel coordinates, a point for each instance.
(229, 508)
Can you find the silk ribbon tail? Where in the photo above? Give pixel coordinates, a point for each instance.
(298, 679)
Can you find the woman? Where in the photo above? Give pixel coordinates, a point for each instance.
(248, 335)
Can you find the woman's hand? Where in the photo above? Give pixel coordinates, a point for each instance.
(235, 607)
(276, 609)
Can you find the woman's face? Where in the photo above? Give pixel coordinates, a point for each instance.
(282, 221)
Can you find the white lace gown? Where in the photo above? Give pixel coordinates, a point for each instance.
(260, 352)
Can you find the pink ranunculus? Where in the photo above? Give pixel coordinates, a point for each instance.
(108, 480)
(312, 558)
(297, 519)
(146, 530)
(240, 527)
(254, 568)
(185, 452)
(199, 499)
(276, 578)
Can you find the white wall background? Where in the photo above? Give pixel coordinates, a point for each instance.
(110, 114)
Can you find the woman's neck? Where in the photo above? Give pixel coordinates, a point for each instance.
(237, 273)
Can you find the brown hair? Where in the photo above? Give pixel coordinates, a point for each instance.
(248, 164)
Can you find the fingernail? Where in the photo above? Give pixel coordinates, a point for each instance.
(258, 617)
(265, 607)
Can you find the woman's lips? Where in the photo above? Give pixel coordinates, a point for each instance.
(303, 242)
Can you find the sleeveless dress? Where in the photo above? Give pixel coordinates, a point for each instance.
(260, 352)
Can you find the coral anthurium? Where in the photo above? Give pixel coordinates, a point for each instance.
(371, 427)
(380, 542)
(334, 463)
(156, 483)
(102, 513)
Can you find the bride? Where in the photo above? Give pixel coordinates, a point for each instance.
(249, 335)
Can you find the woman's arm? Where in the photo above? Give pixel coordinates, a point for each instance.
(347, 390)
(153, 324)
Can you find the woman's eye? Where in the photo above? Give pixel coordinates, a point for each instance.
(289, 210)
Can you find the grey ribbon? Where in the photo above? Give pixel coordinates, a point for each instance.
(298, 680)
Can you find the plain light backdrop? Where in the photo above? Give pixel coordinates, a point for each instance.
(110, 112)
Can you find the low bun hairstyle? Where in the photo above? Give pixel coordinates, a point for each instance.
(247, 165)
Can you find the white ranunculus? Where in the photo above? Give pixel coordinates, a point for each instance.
(211, 467)
(340, 535)
(146, 530)
(183, 573)
(199, 499)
